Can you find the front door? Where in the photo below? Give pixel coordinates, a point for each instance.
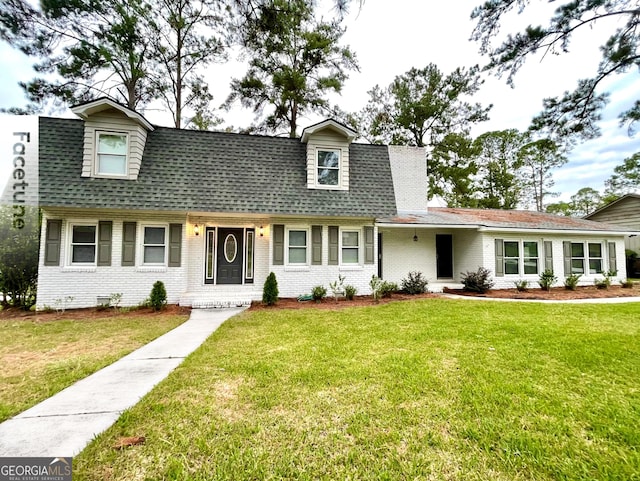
(444, 256)
(230, 253)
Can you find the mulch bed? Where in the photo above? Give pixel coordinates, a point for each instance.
(91, 313)
(556, 293)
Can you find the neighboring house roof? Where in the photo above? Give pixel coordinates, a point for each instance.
(493, 219)
(198, 171)
(605, 208)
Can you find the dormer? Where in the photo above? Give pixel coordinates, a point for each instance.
(328, 155)
(114, 139)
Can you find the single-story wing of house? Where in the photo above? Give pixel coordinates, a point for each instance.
(211, 214)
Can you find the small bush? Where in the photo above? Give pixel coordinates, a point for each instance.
(270, 290)
(318, 293)
(337, 287)
(414, 283)
(479, 281)
(388, 288)
(628, 284)
(547, 280)
(375, 283)
(158, 296)
(571, 282)
(350, 292)
(522, 285)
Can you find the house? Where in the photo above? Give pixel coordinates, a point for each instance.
(624, 212)
(126, 203)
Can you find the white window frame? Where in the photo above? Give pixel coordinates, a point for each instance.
(97, 154)
(249, 260)
(142, 245)
(306, 229)
(317, 167)
(70, 244)
(586, 258)
(341, 247)
(601, 258)
(521, 257)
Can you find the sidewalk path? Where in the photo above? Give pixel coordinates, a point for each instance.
(65, 423)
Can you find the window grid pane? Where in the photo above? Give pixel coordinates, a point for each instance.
(298, 238)
(83, 254)
(349, 255)
(577, 249)
(154, 245)
(350, 239)
(297, 255)
(595, 250)
(83, 244)
(577, 266)
(112, 164)
(112, 144)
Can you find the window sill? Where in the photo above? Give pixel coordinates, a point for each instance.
(79, 269)
(296, 268)
(352, 268)
(151, 269)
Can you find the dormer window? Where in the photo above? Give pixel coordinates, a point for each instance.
(111, 153)
(328, 167)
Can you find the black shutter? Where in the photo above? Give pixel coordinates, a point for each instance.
(53, 239)
(499, 257)
(175, 245)
(105, 229)
(368, 245)
(316, 245)
(128, 243)
(333, 245)
(278, 245)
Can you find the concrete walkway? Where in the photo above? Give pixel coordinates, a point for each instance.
(64, 424)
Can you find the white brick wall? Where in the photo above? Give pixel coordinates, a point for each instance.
(295, 280)
(507, 281)
(409, 171)
(86, 284)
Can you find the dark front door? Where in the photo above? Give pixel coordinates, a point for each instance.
(230, 253)
(444, 256)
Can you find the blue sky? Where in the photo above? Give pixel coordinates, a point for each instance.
(390, 38)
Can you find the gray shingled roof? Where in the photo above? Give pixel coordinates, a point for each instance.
(185, 170)
(498, 219)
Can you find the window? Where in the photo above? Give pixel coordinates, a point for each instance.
(297, 247)
(111, 154)
(521, 257)
(511, 257)
(154, 245)
(249, 263)
(578, 258)
(595, 258)
(83, 244)
(350, 248)
(530, 253)
(328, 168)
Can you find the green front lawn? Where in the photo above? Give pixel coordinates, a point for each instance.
(431, 389)
(40, 358)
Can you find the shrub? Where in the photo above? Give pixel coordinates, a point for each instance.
(158, 296)
(318, 293)
(388, 288)
(571, 282)
(478, 281)
(337, 287)
(522, 285)
(350, 292)
(628, 284)
(375, 283)
(603, 283)
(414, 283)
(547, 279)
(270, 290)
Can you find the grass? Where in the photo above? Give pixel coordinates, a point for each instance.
(432, 389)
(38, 359)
